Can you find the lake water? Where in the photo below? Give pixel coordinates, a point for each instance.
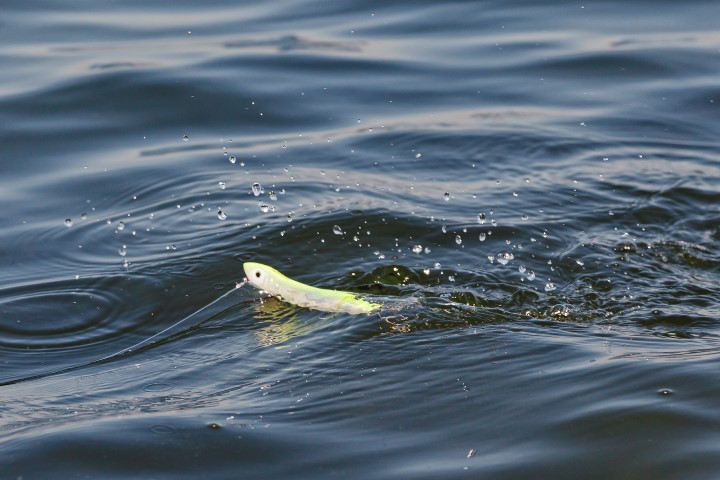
(532, 188)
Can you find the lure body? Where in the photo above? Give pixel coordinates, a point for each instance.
(291, 291)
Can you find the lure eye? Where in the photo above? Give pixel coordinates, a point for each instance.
(259, 276)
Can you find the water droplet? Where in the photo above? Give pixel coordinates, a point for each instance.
(222, 215)
(451, 278)
(185, 138)
(521, 269)
(256, 189)
(531, 275)
(337, 230)
(232, 159)
(418, 155)
(446, 197)
(121, 226)
(427, 250)
(221, 185)
(68, 222)
(83, 216)
(264, 208)
(549, 287)
(491, 258)
(482, 237)
(123, 251)
(579, 262)
(272, 196)
(417, 248)
(458, 239)
(524, 217)
(426, 271)
(444, 229)
(437, 265)
(504, 258)
(481, 218)
(290, 217)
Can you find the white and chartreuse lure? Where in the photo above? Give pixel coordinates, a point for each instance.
(275, 283)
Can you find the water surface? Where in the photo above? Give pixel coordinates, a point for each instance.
(532, 188)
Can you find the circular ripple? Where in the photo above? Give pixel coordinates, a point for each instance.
(58, 315)
(163, 429)
(157, 387)
(48, 327)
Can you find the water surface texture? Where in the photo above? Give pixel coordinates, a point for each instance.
(532, 188)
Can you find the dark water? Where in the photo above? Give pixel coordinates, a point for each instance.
(534, 188)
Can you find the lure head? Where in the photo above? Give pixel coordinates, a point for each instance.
(257, 274)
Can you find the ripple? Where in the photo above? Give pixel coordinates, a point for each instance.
(293, 42)
(58, 316)
(157, 387)
(47, 327)
(163, 429)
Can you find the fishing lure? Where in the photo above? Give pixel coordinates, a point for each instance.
(275, 283)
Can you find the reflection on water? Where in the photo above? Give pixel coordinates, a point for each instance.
(279, 322)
